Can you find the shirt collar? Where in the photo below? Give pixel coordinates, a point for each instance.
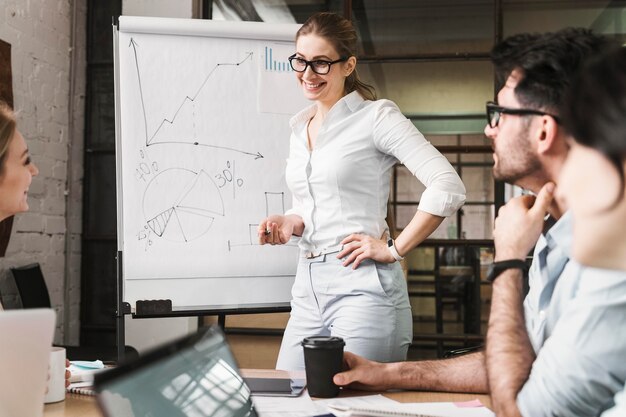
(352, 101)
(560, 235)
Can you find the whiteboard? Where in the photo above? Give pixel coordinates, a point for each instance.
(202, 125)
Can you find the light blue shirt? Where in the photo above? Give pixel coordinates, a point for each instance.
(619, 410)
(582, 362)
(549, 262)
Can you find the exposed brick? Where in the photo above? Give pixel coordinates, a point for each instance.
(16, 16)
(59, 170)
(37, 244)
(29, 222)
(55, 224)
(54, 205)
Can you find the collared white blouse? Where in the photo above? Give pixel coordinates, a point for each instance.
(342, 186)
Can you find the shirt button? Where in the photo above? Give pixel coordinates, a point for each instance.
(542, 314)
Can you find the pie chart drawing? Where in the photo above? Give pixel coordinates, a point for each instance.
(180, 205)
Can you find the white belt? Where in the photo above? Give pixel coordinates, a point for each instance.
(315, 254)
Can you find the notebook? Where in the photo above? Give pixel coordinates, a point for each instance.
(193, 376)
(25, 341)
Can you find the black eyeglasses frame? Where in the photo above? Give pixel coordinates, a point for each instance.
(493, 108)
(310, 63)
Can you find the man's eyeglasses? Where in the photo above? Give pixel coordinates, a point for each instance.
(319, 66)
(494, 112)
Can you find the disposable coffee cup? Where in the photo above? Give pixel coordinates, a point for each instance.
(56, 381)
(323, 358)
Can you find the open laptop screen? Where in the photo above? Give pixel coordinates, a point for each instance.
(194, 376)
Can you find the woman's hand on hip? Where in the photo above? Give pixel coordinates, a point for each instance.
(358, 247)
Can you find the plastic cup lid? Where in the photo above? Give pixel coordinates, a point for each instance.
(323, 342)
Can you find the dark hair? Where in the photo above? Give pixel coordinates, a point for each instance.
(594, 111)
(341, 34)
(547, 62)
(7, 131)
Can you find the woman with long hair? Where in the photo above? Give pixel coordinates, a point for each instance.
(342, 151)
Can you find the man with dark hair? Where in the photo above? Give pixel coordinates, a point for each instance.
(570, 375)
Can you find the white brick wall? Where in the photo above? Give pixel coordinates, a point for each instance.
(40, 33)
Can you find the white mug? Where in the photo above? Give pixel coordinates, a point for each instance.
(56, 381)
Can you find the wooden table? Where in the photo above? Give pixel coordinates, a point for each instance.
(82, 406)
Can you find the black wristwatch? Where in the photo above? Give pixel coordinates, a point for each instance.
(497, 268)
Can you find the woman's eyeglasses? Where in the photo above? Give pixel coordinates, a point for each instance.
(319, 66)
(494, 112)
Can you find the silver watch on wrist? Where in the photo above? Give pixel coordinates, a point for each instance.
(391, 245)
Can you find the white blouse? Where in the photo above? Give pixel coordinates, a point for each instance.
(342, 186)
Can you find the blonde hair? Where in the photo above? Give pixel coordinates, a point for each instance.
(7, 131)
(341, 34)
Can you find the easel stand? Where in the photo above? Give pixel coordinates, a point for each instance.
(158, 309)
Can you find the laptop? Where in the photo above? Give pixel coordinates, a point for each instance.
(25, 341)
(192, 376)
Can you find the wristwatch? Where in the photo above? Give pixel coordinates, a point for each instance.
(497, 268)
(391, 245)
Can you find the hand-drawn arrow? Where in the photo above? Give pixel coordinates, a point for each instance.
(133, 43)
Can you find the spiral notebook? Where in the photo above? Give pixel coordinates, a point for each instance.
(81, 388)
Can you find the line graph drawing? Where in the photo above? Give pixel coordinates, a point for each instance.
(181, 205)
(185, 114)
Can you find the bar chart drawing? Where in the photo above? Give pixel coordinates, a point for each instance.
(274, 204)
(272, 64)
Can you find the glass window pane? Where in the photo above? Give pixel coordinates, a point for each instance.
(394, 27)
(478, 158)
(475, 139)
(478, 222)
(404, 214)
(432, 87)
(447, 229)
(443, 140)
(603, 16)
(478, 184)
(408, 187)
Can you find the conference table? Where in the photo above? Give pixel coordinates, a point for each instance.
(76, 405)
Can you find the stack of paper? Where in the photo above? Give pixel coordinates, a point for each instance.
(83, 371)
(365, 406)
(379, 406)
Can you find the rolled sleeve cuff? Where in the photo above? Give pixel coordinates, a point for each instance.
(440, 203)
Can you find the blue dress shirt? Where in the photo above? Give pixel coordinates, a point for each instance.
(582, 363)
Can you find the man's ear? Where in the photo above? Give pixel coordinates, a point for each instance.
(548, 135)
(349, 66)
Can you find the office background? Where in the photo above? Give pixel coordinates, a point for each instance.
(429, 56)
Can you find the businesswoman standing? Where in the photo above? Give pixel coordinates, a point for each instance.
(342, 150)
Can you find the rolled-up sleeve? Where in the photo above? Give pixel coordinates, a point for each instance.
(396, 135)
(582, 364)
